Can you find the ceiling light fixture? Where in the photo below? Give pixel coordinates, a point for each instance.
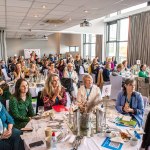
(35, 16)
(43, 6)
(86, 11)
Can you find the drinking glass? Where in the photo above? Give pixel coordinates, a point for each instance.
(40, 110)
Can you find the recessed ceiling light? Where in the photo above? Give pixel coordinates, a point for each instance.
(86, 11)
(28, 24)
(43, 6)
(70, 19)
(35, 16)
(55, 25)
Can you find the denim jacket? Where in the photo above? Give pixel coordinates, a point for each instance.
(136, 103)
(5, 117)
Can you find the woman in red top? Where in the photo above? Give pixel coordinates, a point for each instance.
(53, 92)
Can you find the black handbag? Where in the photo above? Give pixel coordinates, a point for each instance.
(68, 84)
(147, 80)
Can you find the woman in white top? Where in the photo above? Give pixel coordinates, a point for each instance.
(70, 73)
(88, 92)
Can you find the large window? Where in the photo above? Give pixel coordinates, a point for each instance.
(89, 42)
(117, 39)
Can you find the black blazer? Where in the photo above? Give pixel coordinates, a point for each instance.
(146, 136)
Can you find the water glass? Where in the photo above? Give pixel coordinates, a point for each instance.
(40, 109)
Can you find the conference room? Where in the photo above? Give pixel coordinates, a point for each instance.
(74, 74)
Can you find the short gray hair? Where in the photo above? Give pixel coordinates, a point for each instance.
(87, 76)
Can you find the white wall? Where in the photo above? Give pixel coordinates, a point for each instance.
(16, 46)
(67, 40)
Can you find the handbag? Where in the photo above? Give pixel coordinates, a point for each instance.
(147, 80)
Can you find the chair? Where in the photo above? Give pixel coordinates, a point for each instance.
(5, 75)
(68, 100)
(145, 100)
(143, 87)
(116, 85)
(81, 73)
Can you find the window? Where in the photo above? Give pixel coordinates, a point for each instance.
(124, 23)
(117, 39)
(89, 43)
(73, 48)
(112, 32)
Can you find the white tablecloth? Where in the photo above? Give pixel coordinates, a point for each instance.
(92, 143)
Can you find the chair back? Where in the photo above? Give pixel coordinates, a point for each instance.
(116, 85)
(143, 87)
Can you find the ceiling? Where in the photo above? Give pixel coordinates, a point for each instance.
(26, 18)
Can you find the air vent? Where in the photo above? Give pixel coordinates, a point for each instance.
(54, 21)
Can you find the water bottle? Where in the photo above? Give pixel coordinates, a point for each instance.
(53, 141)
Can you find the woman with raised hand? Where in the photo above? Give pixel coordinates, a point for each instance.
(53, 92)
(20, 104)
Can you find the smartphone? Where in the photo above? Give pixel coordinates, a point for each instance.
(38, 143)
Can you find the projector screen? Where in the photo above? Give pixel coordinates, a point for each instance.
(27, 53)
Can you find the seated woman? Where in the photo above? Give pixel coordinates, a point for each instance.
(18, 73)
(53, 93)
(2, 78)
(33, 71)
(20, 104)
(106, 72)
(130, 102)
(118, 71)
(95, 69)
(61, 67)
(125, 66)
(143, 72)
(88, 91)
(10, 137)
(52, 69)
(69, 72)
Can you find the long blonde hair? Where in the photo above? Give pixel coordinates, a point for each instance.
(48, 88)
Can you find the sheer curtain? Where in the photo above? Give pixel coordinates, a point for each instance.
(3, 51)
(139, 38)
(99, 39)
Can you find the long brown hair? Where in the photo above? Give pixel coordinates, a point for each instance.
(17, 88)
(127, 82)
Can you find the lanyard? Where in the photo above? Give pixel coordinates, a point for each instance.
(88, 93)
(70, 73)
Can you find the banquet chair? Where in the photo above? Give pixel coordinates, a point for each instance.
(143, 87)
(100, 80)
(5, 75)
(81, 73)
(39, 101)
(116, 86)
(145, 100)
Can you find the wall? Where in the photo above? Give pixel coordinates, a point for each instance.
(16, 46)
(67, 40)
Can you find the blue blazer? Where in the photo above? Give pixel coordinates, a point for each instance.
(5, 117)
(136, 103)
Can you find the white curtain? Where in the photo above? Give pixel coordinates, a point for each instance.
(3, 51)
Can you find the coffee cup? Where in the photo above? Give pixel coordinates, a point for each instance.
(48, 142)
(108, 133)
(48, 132)
(133, 141)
